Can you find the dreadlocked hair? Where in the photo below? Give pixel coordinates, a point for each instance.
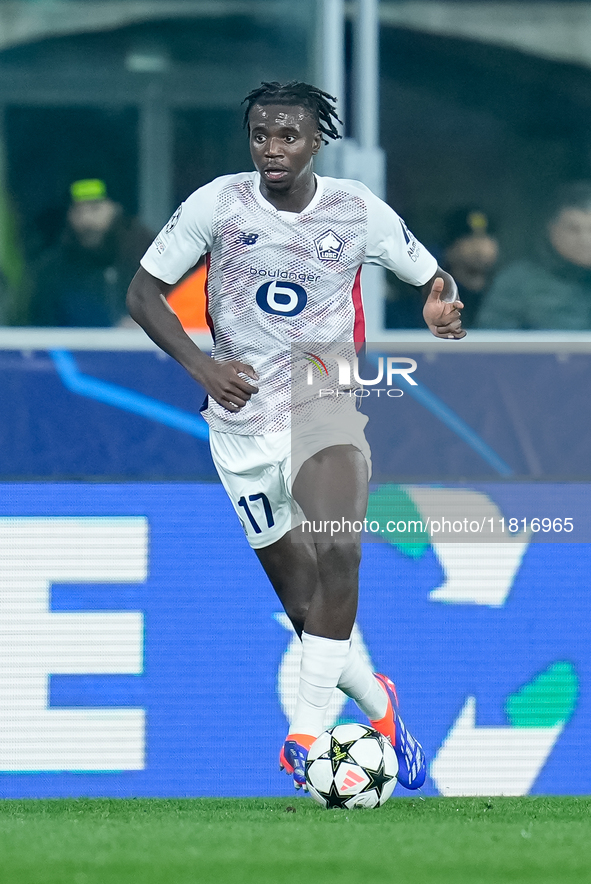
(313, 99)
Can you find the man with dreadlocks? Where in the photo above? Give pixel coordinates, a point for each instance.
(284, 250)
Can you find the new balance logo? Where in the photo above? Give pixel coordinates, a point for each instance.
(247, 239)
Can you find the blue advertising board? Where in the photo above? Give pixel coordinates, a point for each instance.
(143, 653)
(136, 416)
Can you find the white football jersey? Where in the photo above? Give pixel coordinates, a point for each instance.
(282, 278)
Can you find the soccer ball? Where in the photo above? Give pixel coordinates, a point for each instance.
(351, 765)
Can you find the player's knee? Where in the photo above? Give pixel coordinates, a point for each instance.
(339, 557)
(297, 614)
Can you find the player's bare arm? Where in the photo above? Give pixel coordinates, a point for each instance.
(442, 307)
(146, 302)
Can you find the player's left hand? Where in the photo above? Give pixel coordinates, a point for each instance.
(443, 318)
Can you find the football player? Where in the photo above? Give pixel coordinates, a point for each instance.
(284, 249)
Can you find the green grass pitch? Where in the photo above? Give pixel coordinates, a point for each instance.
(264, 841)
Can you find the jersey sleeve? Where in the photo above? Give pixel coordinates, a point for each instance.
(391, 244)
(185, 238)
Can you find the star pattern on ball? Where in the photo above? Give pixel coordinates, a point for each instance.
(377, 779)
(332, 797)
(339, 753)
(371, 734)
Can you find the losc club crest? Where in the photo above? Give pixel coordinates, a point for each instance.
(329, 246)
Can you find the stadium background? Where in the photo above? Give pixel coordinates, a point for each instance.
(140, 641)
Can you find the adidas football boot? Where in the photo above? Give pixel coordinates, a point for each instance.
(292, 758)
(412, 766)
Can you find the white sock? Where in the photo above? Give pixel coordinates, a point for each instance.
(358, 682)
(322, 664)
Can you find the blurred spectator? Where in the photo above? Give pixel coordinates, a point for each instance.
(82, 280)
(13, 278)
(552, 289)
(470, 254)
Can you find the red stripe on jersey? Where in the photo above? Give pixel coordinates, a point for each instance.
(359, 327)
(208, 318)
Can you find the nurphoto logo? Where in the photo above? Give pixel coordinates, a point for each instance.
(348, 371)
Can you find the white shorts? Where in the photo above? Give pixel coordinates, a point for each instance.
(258, 472)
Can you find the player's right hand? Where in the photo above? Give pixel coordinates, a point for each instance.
(444, 318)
(223, 383)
